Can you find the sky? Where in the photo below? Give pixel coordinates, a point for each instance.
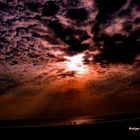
(69, 58)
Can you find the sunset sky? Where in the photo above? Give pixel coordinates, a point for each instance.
(69, 58)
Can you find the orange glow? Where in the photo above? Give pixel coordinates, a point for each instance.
(75, 63)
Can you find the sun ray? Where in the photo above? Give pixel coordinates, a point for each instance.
(75, 63)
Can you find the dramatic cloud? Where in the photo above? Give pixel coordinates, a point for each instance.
(81, 53)
(118, 33)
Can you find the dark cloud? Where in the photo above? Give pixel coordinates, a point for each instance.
(109, 6)
(50, 8)
(35, 7)
(72, 3)
(125, 12)
(119, 48)
(68, 74)
(79, 14)
(3, 6)
(106, 10)
(68, 36)
(135, 2)
(117, 35)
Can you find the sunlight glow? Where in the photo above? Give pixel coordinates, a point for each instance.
(75, 63)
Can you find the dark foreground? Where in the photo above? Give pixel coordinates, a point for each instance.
(126, 125)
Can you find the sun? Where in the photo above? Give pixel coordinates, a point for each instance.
(75, 63)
